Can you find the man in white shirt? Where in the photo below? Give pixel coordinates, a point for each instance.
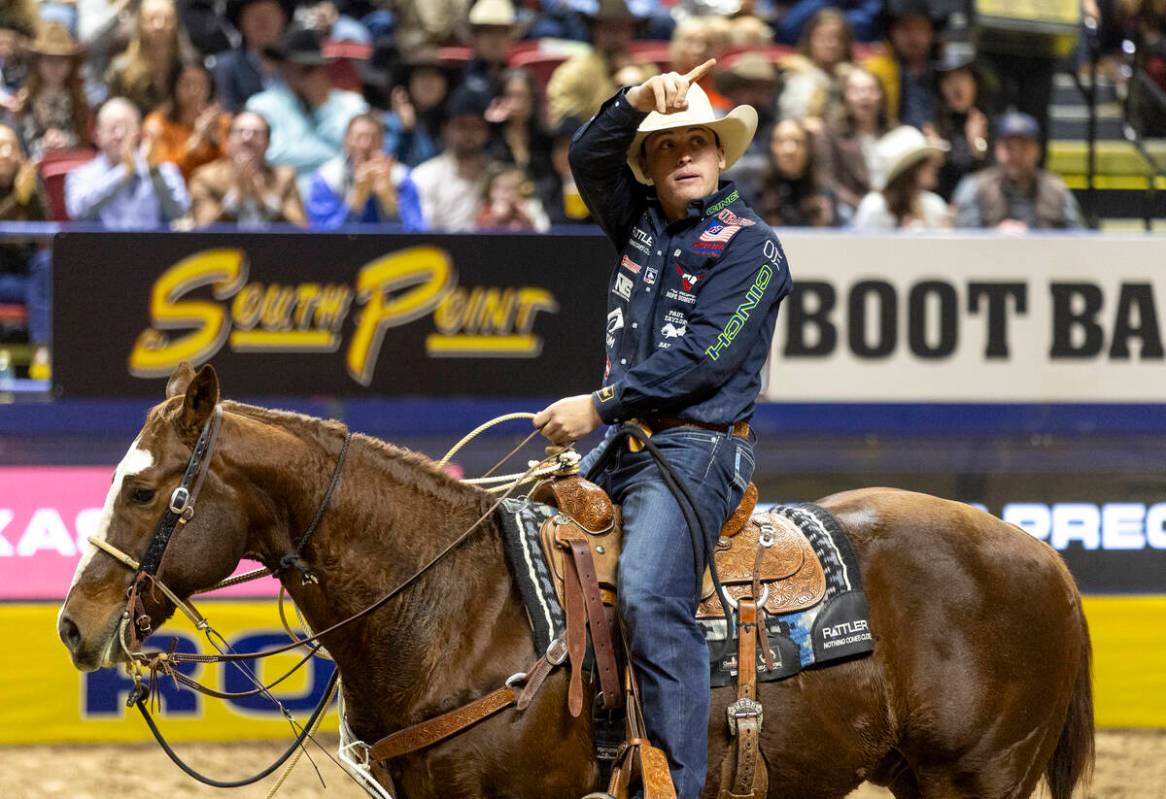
(450, 185)
(125, 186)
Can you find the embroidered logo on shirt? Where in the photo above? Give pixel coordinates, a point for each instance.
(737, 321)
(723, 204)
(630, 265)
(671, 331)
(650, 275)
(614, 325)
(687, 279)
(715, 237)
(729, 218)
(623, 286)
(606, 394)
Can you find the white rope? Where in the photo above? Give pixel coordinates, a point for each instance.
(470, 436)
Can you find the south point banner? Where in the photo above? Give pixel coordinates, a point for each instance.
(299, 314)
(881, 319)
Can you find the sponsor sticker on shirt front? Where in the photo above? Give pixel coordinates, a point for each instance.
(650, 275)
(630, 265)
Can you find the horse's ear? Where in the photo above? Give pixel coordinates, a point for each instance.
(202, 395)
(178, 381)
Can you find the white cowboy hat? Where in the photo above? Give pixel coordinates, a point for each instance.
(488, 13)
(734, 131)
(901, 149)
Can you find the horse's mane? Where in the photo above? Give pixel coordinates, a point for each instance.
(398, 463)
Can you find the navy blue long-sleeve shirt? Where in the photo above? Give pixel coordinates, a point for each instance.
(692, 304)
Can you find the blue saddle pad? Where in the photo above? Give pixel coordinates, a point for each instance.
(836, 627)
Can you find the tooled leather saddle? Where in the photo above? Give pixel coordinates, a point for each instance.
(765, 565)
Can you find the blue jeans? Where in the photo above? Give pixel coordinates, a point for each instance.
(659, 583)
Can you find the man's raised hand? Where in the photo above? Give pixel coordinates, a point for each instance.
(667, 93)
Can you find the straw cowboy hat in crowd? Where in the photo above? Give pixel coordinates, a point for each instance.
(734, 131)
(903, 148)
(53, 38)
(493, 13)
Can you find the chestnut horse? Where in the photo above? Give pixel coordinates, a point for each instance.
(978, 686)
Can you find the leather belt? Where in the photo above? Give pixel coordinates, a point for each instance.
(660, 423)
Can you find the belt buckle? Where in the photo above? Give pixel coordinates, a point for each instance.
(744, 708)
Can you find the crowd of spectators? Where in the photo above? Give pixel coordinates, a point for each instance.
(457, 115)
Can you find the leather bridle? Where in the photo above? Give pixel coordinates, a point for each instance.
(519, 690)
(178, 513)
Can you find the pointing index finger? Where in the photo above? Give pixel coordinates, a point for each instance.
(699, 72)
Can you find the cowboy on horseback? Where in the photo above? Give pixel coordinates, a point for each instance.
(692, 307)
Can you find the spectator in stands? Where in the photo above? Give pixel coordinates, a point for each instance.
(247, 69)
(696, 40)
(748, 32)
(508, 201)
(583, 82)
(363, 186)
(104, 29)
(492, 32)
(845, 152)
(428, 24)
(126, 185)
(142, 74)
(911, 166)
(754, 81)
(862, 17)
(519, 137)
(792, 196)
(450, 185)
(419, 90)
(961, 116)
(191, 127)
(13, 66)
(557, 192)
(813, 77)
(52, 110)
(1016, 195)
(24, 269)
(905, 70)
(242, 187)
(306, 116)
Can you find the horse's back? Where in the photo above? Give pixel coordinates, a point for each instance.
(979, 635)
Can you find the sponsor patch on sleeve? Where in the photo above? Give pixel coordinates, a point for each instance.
(606, 394)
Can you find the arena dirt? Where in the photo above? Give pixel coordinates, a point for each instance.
(1130, 765)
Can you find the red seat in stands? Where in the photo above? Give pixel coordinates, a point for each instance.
(539, 63)
(54, 166)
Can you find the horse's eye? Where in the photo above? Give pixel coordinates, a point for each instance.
(143, 495)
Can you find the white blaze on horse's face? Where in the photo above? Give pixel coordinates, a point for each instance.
(136, 461)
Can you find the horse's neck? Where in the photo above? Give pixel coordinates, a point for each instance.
(456, 629)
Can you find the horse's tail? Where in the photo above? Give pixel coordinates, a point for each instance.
(1072, 760)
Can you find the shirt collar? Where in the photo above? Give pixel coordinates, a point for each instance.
(725, 195)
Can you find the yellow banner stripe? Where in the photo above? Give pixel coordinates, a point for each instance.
(44, 700)
(440, 345)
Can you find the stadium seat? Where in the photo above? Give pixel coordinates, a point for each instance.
(538, 63)
(455, 55)
(54, 166)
